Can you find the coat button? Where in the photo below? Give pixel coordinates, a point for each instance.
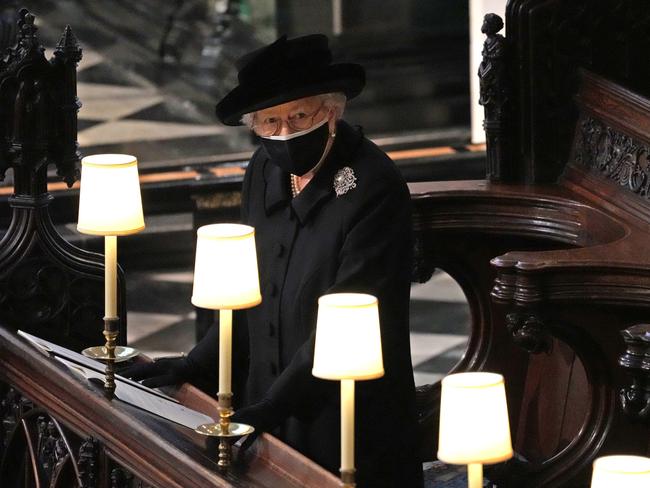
(271, 290)
(278, 249)
(271, 329)
(274, 369)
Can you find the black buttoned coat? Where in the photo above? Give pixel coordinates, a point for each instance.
(319, 243)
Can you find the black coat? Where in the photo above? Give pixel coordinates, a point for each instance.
(320, 243)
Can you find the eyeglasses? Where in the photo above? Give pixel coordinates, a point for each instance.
(272, 126)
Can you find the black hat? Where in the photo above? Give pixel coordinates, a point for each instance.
(286, 70)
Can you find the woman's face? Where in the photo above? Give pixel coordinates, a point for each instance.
(292, 116)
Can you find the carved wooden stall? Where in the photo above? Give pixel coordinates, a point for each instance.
(47, 286)
(56, 428)
(553, 258)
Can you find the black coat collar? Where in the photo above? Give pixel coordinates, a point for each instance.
(277, 187)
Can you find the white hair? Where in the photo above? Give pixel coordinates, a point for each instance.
(334, 101)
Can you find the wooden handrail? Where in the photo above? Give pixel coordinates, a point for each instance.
(156, 451)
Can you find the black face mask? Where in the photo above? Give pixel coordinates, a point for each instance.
(299, 152)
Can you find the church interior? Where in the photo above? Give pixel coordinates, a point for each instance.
(522, 129)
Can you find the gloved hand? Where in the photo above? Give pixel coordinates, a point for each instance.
(165, 371)
(264, 416)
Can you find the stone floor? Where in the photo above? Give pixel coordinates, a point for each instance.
(163, 112)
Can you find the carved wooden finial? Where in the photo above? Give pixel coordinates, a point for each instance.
(68, 47)
(494, 96)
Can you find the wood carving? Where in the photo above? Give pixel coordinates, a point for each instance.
(47, 286)
(35, 450)
(551, 40)
(137, 450)
(614, 155)
(565, 269)
(635, 398)
(528, 332)
(88, 463)
(493, 76)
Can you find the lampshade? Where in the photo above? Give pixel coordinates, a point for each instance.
(348, 339)
(474, 424)
(109, 198)
(621, 472)
(225, 270)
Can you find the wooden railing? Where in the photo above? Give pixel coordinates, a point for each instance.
(61, 431)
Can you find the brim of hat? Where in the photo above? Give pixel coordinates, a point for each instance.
(346, 78)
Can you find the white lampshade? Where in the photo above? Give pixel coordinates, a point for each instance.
(474, 425)
(348, 339)
(109, 198)
(621, 472)
(225, 270)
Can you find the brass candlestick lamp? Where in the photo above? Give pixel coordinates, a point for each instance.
(225, 279)
(110, 205)
(348, 348)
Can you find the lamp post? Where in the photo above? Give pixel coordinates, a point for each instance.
(110, 205)
(621, 472)
(225, 279)
(348, 348)
(474, 427)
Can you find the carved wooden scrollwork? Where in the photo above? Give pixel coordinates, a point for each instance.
(38, 450)
(529, 332)
(635, 398)
(614, 155)
(31, 439)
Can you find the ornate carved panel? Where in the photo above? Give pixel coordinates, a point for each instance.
(551, 40)
(613, 154)
(36, 450)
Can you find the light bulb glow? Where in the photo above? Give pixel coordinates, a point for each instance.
(225, 269)
(621, 471)
(474, 425)
(348, 338)
(110, 203)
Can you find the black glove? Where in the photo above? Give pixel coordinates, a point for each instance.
(166, 371)
(264, 416)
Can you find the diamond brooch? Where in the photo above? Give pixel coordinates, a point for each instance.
(344, 181)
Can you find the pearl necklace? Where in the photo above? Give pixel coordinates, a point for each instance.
(294, 186)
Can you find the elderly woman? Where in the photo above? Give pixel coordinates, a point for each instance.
(331, 214)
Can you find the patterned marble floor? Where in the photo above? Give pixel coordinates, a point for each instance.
(161, 319)
(162, 112)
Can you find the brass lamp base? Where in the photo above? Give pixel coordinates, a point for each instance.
(347, 478)
(234, 430)
(225, 430)
(100, 353)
